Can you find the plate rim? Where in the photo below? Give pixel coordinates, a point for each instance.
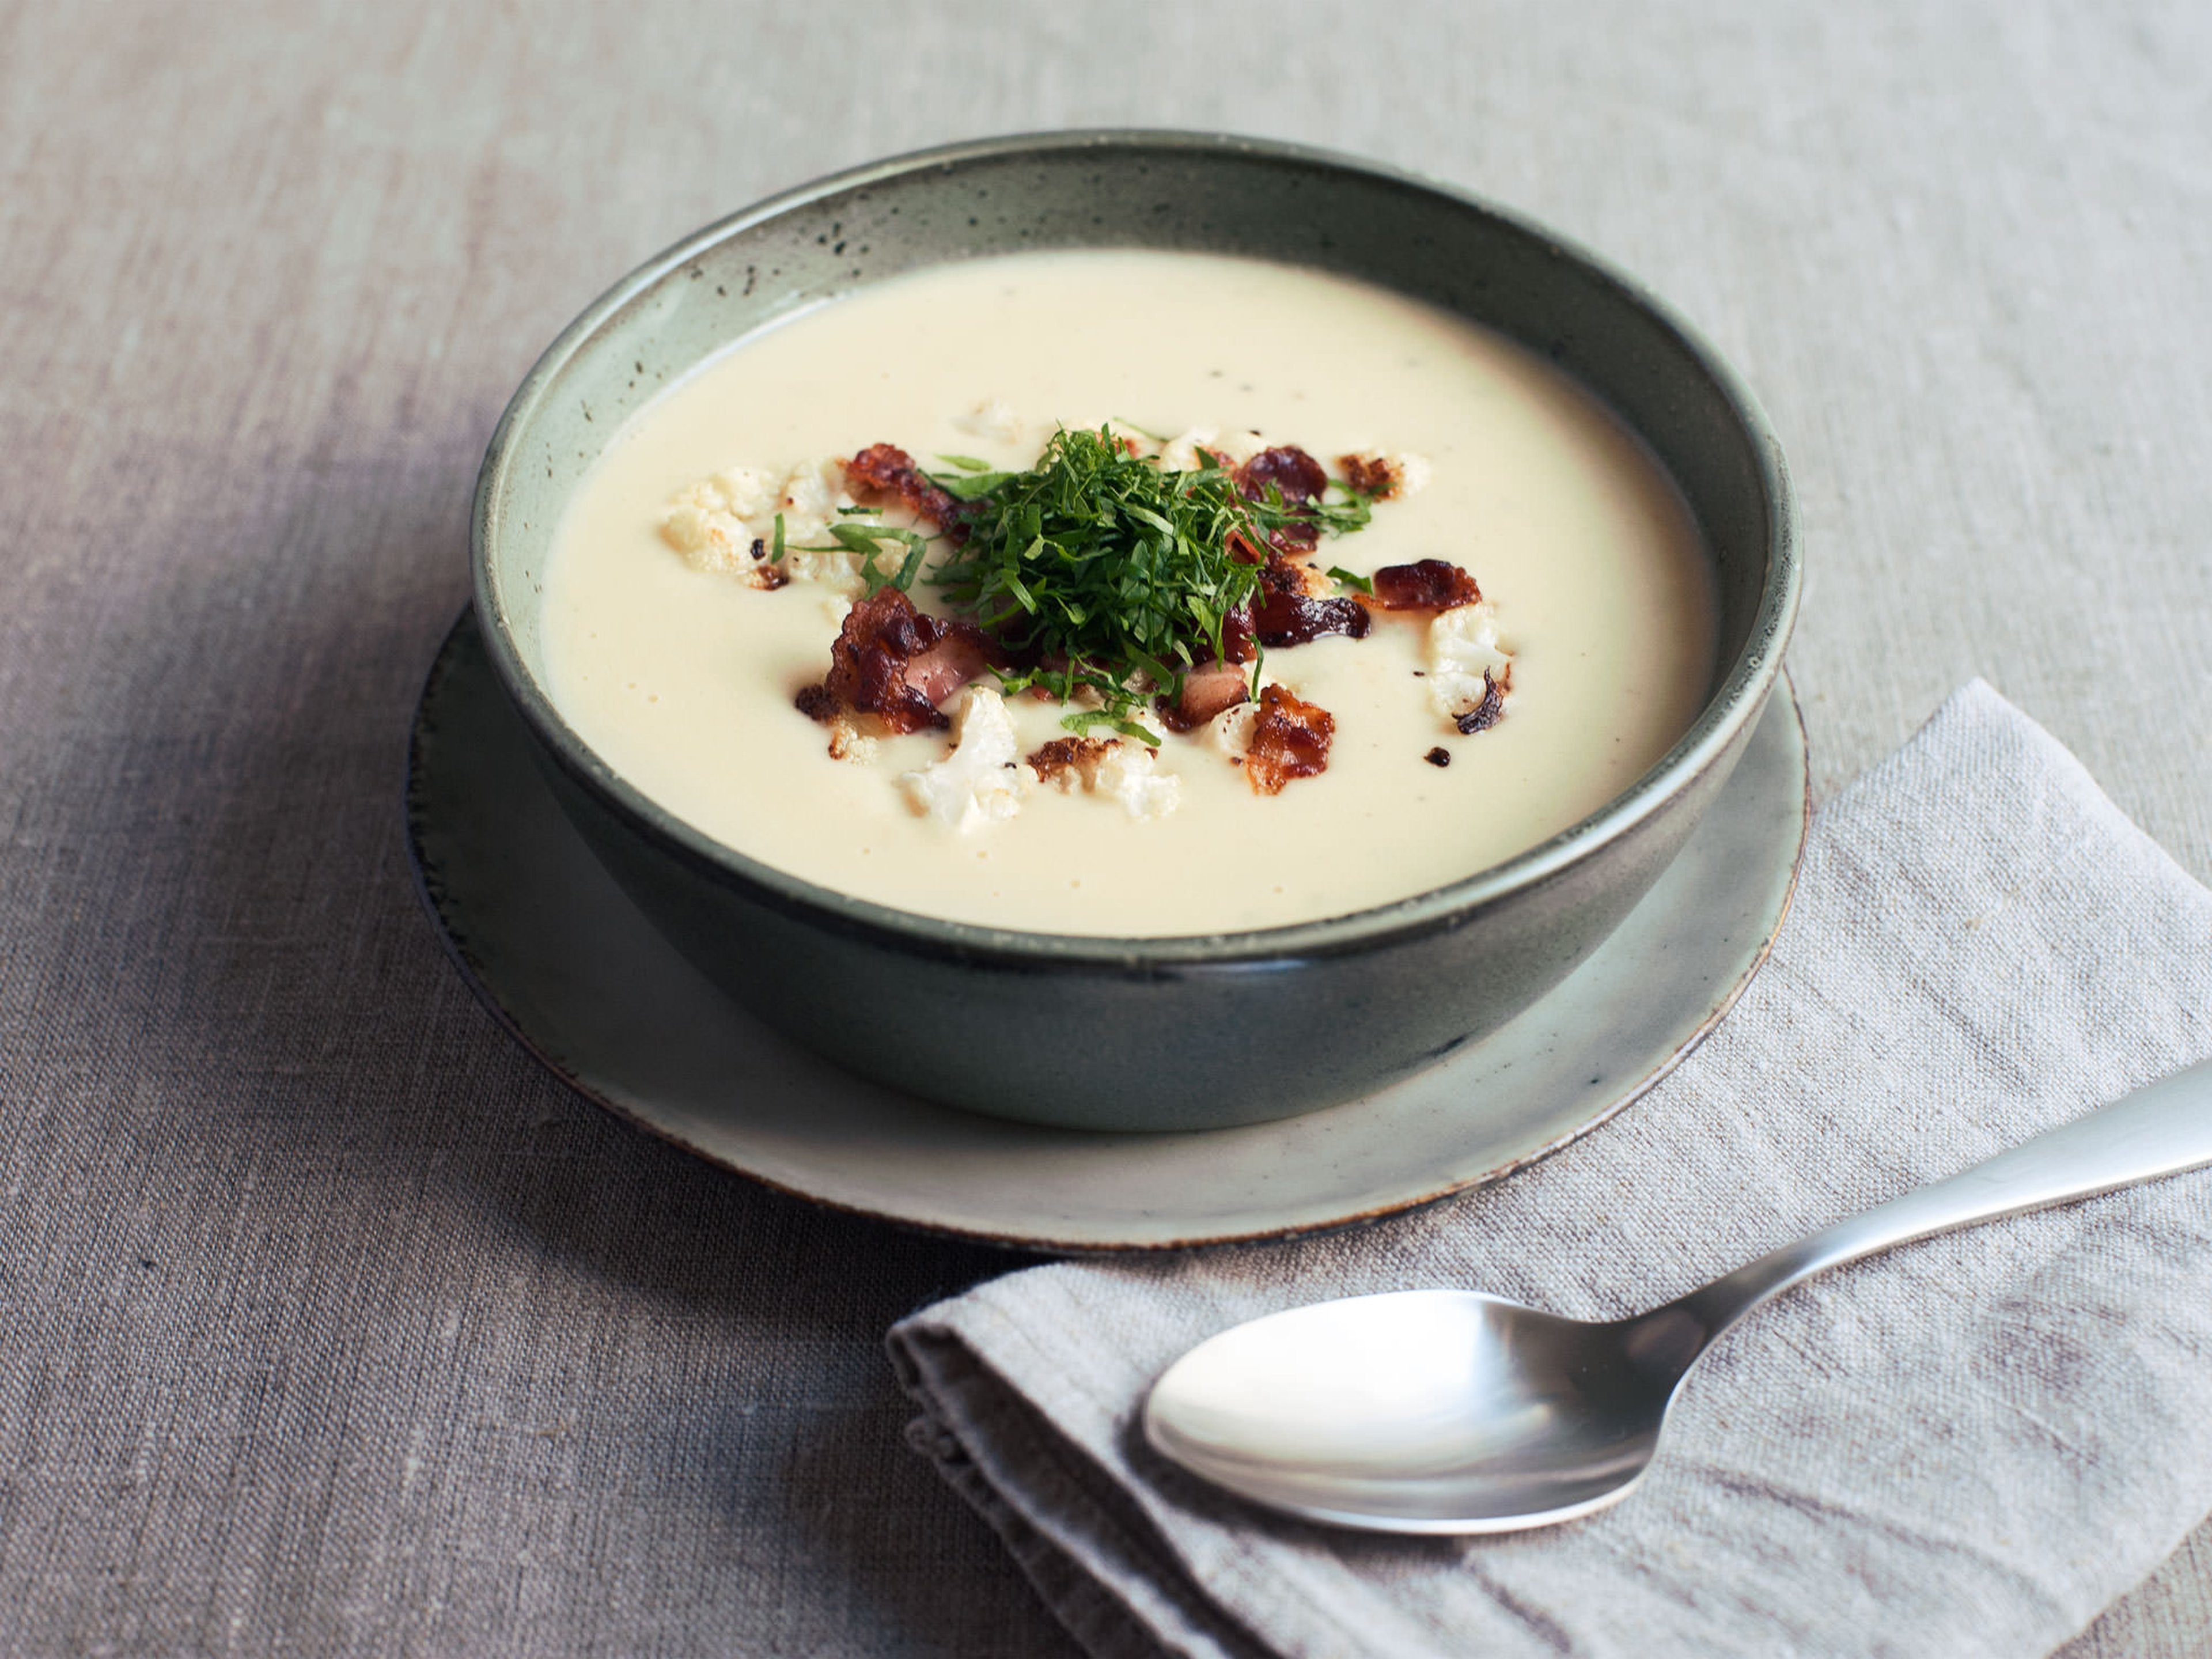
(428, 887)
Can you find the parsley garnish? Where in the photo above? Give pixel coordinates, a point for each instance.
(1116, 574)
(868, 540)
(1113, 573)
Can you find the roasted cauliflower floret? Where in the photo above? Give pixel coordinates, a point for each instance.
(981, 779)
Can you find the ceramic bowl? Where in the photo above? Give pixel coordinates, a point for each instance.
(1144, 1034)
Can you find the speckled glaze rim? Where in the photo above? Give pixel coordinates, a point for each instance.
(1741, 694)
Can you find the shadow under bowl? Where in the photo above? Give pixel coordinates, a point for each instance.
(1142, 1034)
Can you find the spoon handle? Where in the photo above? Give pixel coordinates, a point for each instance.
(2162, 1129)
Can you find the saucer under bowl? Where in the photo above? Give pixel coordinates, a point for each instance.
(1149, 1034)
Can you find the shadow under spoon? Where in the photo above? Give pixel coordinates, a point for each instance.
(1447, 1410)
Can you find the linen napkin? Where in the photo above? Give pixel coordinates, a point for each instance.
(1970, 1446)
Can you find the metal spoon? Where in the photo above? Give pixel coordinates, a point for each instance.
(1449, 1411)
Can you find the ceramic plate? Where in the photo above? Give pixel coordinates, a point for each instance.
(553, 948)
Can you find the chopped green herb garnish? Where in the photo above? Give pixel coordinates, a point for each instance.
(1142, 432)
(1345, 578)
(869, 541)
(1083, 720)
(1110, 574)
(971, 487)
(1116, 574)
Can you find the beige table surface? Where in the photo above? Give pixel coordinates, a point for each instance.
(325, 1324)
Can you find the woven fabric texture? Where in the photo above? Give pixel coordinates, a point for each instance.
(327, 1325)
(1968, 1446)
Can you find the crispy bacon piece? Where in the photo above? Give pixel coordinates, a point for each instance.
(1376, 476)
(1290, 739)
(1288, 611)
(961, 654)
(1205, 692)
(883, 471)
(892, 661)
(1300, 479)
(1214, 686)
(1485, 714)
(1425, 585)
(1236, 643)
(1064, 760)
(1290, 468)
(846, 740)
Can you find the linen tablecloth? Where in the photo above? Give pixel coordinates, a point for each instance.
(1968, 1447)
(326, 1323)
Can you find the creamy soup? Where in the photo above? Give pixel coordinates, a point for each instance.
(684, 678)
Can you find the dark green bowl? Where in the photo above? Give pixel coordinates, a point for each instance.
(1188, 1033)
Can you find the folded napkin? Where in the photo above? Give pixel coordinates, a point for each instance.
(1970, 1446)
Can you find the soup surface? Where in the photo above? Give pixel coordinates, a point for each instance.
(684, 678)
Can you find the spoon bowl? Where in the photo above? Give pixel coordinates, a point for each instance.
(1444, 1411)
(1420, 1411)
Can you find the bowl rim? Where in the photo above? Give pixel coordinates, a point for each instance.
(1740, 693)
